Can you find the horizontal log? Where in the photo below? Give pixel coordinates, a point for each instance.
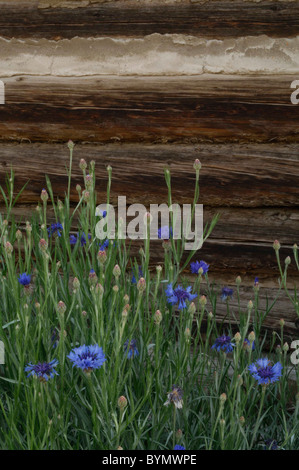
(217, 19)
(205, 108)
(247, 175)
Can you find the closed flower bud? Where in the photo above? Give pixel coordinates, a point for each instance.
(179, 435)
(37, 305)
(159, 269)
(122, 402)
(203, 300)
(28, 227)
(126, 298)
(250, 305)
(61, 307)
(222, 423)
(276, 245)
(115, 289)
(210, 316)
(281, 322)
(187, 334)
(18, 235)
(158, 317)
(78, 188)
(251, 337)
(192, 308)
(92, 278)
(99, 289)
(223, 398)
(88, 182)
(102, 256)
(86, 196)
(8, 248)
(237, 337)
(82, 164)
(242, 420)
(141, 285)
(285, 347)
(76, 283)
(197, 165)
(44, 195)
(116, 271)
(287, 261)
(238, 280)
(43, 245)
(70, 144)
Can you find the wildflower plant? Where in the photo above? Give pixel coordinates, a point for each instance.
(97, 340)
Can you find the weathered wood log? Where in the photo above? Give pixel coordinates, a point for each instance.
(217, 19)
(231, 175)
(192, 109)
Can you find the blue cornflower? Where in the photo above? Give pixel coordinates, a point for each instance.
(194, 267)
(264, 372)
(165, 232)
(131, 349)
(179, 295)
(87, 358)
(226, 292)
(246, 345)
(55, 229)
(140, 274)
(223, 343)
(104, 245)
(43, 370)
(74, 239)
(256, 281)
(24, 279)
(178, 447)
(271, 444)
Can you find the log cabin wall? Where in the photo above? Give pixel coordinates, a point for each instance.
(146, 84)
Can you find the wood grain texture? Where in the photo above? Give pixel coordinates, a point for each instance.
(221, 19)
(205, 108)
(232, 175)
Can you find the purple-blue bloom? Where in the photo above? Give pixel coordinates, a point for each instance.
(55, 229)
(223, 343)
(43, 370)
(24, 279)
(165, 232)
(74, 239)
(226, 292)
(179, 295)
(264, 372)
(104, 245)
(196, 265)
(87, 358)
(131, 349)
(140, 274)
(246, 345)
(178, 447)
(271, 444)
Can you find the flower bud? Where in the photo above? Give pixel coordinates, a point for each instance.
(242, 420)
(197, 165)
(285, 347)
(210, 316)
(70, 144)
(141, 285)
(82, 164)
(238, 280)
(158, 317)
(187, 334)
(159, 269)
(276, 245)
(76, 283)
(223, 398)
(84, 313)
(281, 322)
(287, 261)
(44, 195)
(86, 196)
(102, 256)
(99, 289)
(115, 289)
(203, 300)
(126, 298)
(122, 402)
(251, 337)
(179, 435)
(61, 307)
(88, 182)
(43, 245)
(237, 337)
(78, 188)
(116, 271)
(92, 278)
(18, 235)
(192, 308)
(8, 248)
(250, 305)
